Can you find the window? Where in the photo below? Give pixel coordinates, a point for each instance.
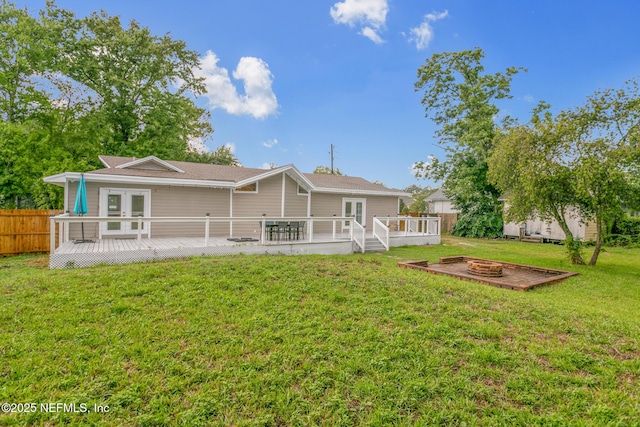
(249, 188)
(302, 191)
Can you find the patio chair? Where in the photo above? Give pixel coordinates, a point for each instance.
(300, 230)
(282, 229)
(270, 227)
(293, 230)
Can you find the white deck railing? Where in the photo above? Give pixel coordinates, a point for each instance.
(383, 229)
(310, 223)
(428, 226)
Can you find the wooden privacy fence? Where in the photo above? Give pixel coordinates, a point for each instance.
(448, 219)
(24, 230)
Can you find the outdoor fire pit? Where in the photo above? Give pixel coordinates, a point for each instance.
(517, 277)
(484, 268)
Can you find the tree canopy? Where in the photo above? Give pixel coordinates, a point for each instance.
(73, 88)
(326, 170)
(459, 96)
(221, 156)
(582, 162)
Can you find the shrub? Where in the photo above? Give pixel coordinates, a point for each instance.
(625, 232)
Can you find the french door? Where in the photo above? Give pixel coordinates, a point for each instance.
(124, 203)
(356, 208)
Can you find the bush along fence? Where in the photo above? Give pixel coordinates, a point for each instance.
(24, 231)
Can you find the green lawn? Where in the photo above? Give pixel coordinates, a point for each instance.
(322, 340)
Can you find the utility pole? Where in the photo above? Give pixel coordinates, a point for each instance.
(331, 153)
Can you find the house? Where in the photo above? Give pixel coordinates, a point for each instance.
(151, 187)
(537, 230)
(439, 203)
(153, 198)
(442, 206)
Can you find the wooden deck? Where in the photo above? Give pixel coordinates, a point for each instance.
(123, 251)
(131, 244)
(127, 250)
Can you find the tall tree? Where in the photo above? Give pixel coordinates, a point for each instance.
(528, 164)
(71, 89)
(460, 98)
(582, 161)
(23, 40)
(605, 135)
(143, 85)
(33, 114)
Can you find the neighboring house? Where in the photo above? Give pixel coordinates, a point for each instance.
(439, 203)
(535, 229)
(151, 187)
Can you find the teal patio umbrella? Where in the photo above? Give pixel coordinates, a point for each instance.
(80, 207)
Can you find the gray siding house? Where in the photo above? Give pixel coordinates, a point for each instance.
(152, 187)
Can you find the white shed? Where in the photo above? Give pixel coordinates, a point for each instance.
(536, 229)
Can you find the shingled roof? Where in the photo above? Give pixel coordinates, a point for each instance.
(154, 168)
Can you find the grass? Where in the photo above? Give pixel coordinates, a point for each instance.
(322, 340)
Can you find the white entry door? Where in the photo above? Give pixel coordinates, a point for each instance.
(119, 203)
(356, 208)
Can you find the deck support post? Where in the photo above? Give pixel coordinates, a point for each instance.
(333, 236)
(206, 230)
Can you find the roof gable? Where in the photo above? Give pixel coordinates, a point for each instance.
(438, 195)
(150, 163)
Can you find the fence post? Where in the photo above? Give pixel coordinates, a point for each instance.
(206, 230)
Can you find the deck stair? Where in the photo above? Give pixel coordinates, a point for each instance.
(372, 244)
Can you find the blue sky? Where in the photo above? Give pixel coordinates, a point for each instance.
(287, 79)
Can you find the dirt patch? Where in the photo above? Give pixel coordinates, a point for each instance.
(38, 263)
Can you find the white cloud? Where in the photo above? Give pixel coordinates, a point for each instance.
(371, 34)
(371, 14)
(231, 146)
(270, 143)
(529, 98)
(258, 100)
(423, 34)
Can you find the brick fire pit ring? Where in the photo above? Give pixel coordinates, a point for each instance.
(484, 268)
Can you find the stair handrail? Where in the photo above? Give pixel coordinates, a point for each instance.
(358, 234)
(381, 232)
